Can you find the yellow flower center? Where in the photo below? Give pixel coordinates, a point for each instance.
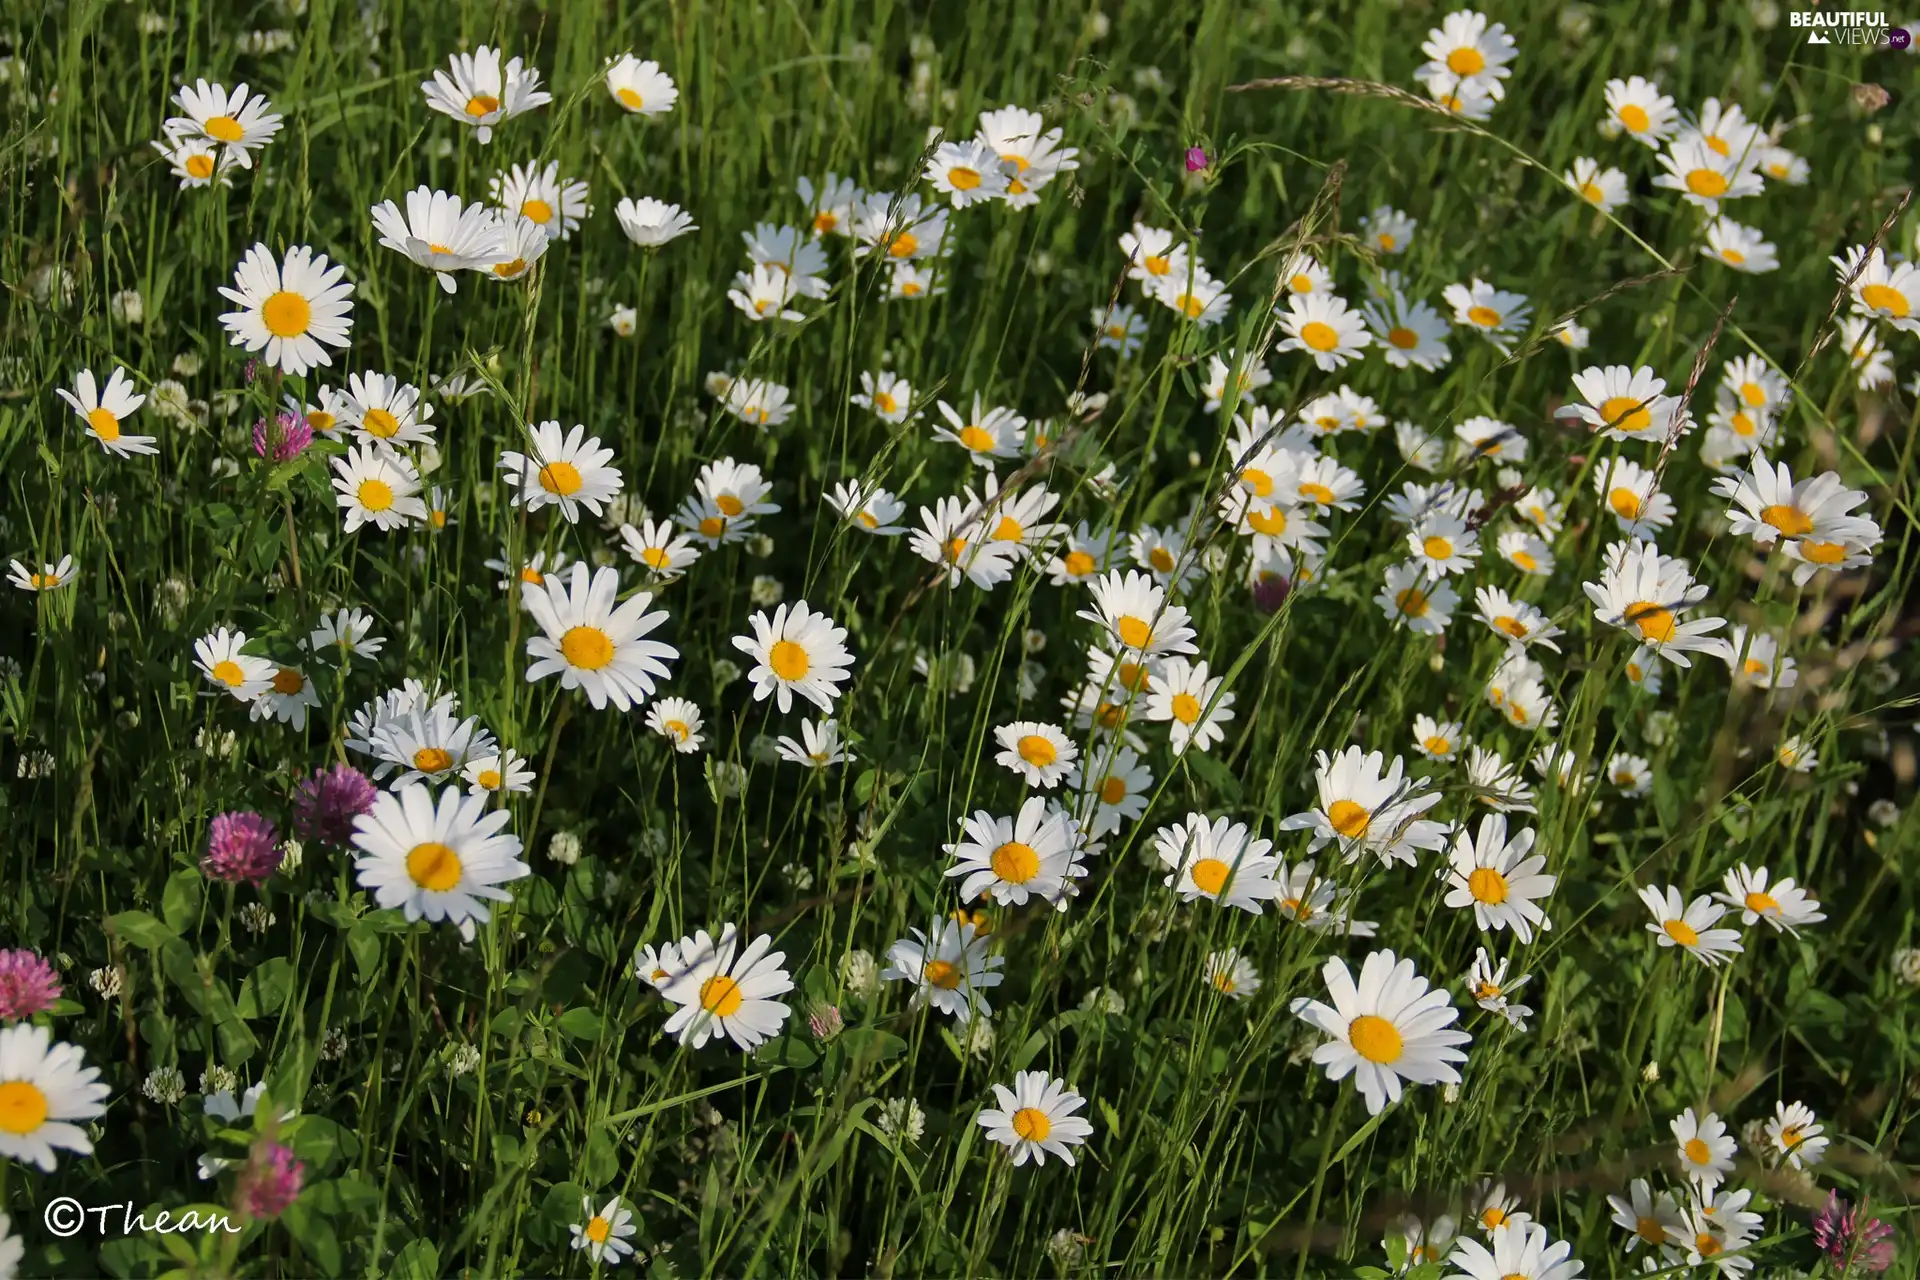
(1079, 564)
(1036, 750)
(1488, 886)
(1301, 283)
(1788, 519)
(678, 730)
(597, 1229)
(199, 166)
(1161, 559)
(1705, 1245)
(712, 526)
(1375, 1039)
(1592, 194)
(1403, 338)
(320, 421)
(1271, 521)
(1157, 265)
(1008, 530)
(961, 178)
(1625, 413)
(976, 438)
(1437, 745)
(225, 128)
(1133, 632)
(433, 866)
(537, 209)
(903, 245)
(1113, 790)
(884, 403)
(1511, 625)
(1032, 1124)
(1651, 1230)
(1348, 818)
(286, 314)
(1186, 708)
(1485, 317)
(1707, 183)
(481, 104)
(1319, 336)
(629, 99)
(1015, 863)
(1717, 144)
(288, 681)
(532, 576)
(789, 660)
(1190, 306)
(1654, 622)
(1732, 257)
(1698, 1152)
(1209, 875)
(375, 495)
(1466, 61)
(823, 222)
(381, 423)
(941, 974)
(1257, 482)
(229, 673)
(510, 270)
(23, 1107)
(1523, 560)
(1754, 667)
(1634, 118)
(432, 760)
(1437, 548)
(1625, 503)
(560, 478)
(1764, 903)
(104, 424)
(1412, 602)
(1493, 1215)
(721, 996)
(587, 647)
(656, 557)
(1681, 932)
(1885, 298)
(489, 779)
(1822, 552)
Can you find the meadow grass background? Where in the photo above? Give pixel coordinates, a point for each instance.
(1218, 1148)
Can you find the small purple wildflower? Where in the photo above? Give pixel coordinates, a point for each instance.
(28, 985)
(824, 1021)
(241, 846)
(285, 439)
(1197, 159)
(1270, 591)
(271, 1182)
(1848, 1242)
(327, 801)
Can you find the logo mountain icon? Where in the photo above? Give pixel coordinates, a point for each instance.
(1817, 38)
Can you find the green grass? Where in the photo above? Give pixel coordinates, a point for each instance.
(1218, 1148)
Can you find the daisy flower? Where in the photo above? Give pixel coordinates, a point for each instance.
(49, 577)
(1083, 554)
(1637, 108)
(1880, 291)
(239, 121)
(1117, 786)
(1622, 403)
(678, 721)
(1848, 545)
(1388, 230)
(554, 204)
(1704, 177)
(725, 991)
(1755, 659)
(760, 403)
(952, 538)
(1035, 1118)
(1391, 1027)
(1135, 612)
(830, 205)
(1785, 906)
(442, 233)
(1191, 705)
(1526, 552)
(1604, 189)
(1467, 99)
(1443, 545)
(1304, 274)
(1029, 152)
(292, 310)
(378, 487)
(1571, 334)
(1367, 806)
(1152, 256)
(1783, 165)
(1219, 861)
(1768, 504)
(1632, 493)
(103, 410)
(1493, 313)
(989, 433)
(1411, 599)
(818, 746)
(798, 650)
(525, 243)
(592, 644)
(428, 742)
(1228, 377)
(1408, 332)
(1651, 1220)
(949, 968)
(1645, 593)
(870, 510)
(1742, 248)
(1322, 325)
(658, 548)
(1040, 754)
(1689, 925)
(966, 173)
(569, 471)
(1231, 974)
(886, 395)
(1119, 328)
(478, 92)
(436, 861)
(503, 771)
(1631, 773)
(286, 698)
(1717, 1228)
(1521, 1250)
(650, 223)
(1194, 296)
(763, 294)
(1794, 1136)
(1012, 859)
(531, 569)
(382, 410)
(1464, 49)
(641, 88)
(198, 161)
(1488, 985)
(1521, 623)
(604, 1234)
(44, 1088)
(1325, 483)
(1497, 879)
(1725, 130)
(1438, 739)
(1706, 1148)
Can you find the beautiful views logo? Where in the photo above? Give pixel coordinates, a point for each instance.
(1850, 26)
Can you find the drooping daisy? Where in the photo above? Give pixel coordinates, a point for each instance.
(1487, 983)
(292, 310)
(1632, 493)
(1323, 326)
(1035, 1118)
(819, 745)
(376, 486)
(103, 410)
(442, 233)
(1029, 152)
(950, 536)
(1411, 599)
(723, 990)
(1388, 230)
(50, 576)
(503, 772)
(641, 87)
(1441, 740)
(593, 644)
(554, 204)
(569, 470)
(1039, 753)
(529, 568)
(436, 861)
(763, 294)
(1890, 293)
(798, 650)
(1638, 108)
(650, 223)
(1231, 974)
(1013, 859)
(1794, 1136)
(1706, 1148)
(1742, 248)
(1644, 593)
(949, 968)
(478, 92)
(1704, 177)
(1784, 905)
(1755, 659)
(1623, 404)
(1526, 552)
(1849, 544)
(604, 1234)
(1408, 332)
(901, 228)
(1232, 378)
(1466, 99)
(1117, 784)
(1493, 313)
(679, 722)
(1604, 189)
(1369, 807)
(1518, 621)
(1391, 1027)
(1218, 860)
(869, 509)
(1190, 704)
(1520, 1250)
(1688, 925)
(198, 161)
(239, 121)
(1717, 1228)
(1497, 879)
(44, 1088)
(1135, 612)
(1651, 1220)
